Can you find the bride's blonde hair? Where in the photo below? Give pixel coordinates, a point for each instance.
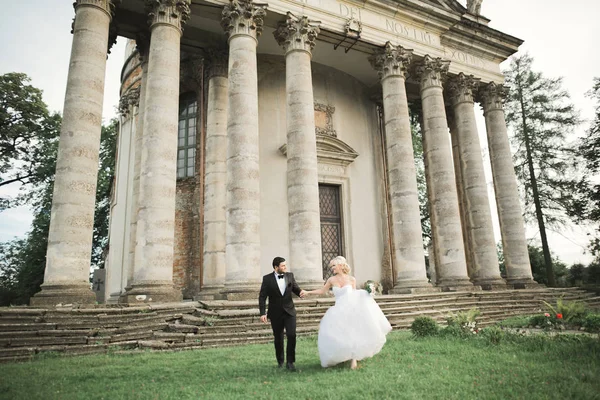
(340, 260)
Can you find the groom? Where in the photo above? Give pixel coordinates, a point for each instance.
(278, 287)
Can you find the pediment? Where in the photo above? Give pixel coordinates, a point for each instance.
(331, 150)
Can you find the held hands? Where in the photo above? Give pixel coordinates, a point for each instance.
(303, 294)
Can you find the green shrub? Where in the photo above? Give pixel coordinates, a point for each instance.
(568, 311)
(461, 318)
(519, 321)
(465, 321)
(493, 334)
(591, 323)
(424, 326)
(454, 330)
(542, 321)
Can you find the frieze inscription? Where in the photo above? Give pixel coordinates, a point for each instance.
(462, 57)
(348, 11)
(408, 31)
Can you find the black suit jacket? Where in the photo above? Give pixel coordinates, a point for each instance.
(278, 304)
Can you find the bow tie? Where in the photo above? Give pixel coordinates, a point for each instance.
(280, 276)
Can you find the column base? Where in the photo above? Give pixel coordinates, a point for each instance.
(114, 298)
(241, 292)
(457, 285)
(413, 287)
(491, 283)
(523, 283)
(151, 292)
(212, 292)
(62, 294)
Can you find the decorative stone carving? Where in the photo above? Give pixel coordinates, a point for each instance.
(243, 17)
(218, 62)
(462, 88)
(331, 150)
(324, 120)
(432, 71)
(391, 60)
(194, 68)
(474, 6)
(353, 28)
(297, 33)
(171, 12)
(491, 96)
(128, 101)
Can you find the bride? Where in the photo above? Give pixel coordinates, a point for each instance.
(355, 327)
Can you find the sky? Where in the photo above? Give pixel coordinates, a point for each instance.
(562, 37)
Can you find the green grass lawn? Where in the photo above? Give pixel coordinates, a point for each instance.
(407, 368)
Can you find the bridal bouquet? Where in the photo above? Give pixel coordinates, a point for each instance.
(374, 288)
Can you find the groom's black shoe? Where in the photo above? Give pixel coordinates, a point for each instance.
(291, 367)
(280, 365)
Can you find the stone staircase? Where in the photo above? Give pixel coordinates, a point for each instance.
(27, 331)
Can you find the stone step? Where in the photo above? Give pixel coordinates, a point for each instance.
(46, 341)
(26, 327)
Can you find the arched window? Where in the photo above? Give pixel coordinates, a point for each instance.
(186, 139)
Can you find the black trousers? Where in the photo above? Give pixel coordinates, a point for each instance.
(287, 322)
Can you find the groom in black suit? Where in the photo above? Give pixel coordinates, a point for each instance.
(278, 287)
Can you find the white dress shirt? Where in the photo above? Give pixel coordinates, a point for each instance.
(280, 283)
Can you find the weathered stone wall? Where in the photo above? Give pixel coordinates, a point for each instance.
(355, 123)
(185, 257)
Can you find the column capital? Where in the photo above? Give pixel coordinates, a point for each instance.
(391, 61)
(297, 33)
(462, 88)
(243, 17)
(491, 96)
(431, 71)
(108, 6)
(168, 12)
(218, 62)
(194, 67)
(128, 101)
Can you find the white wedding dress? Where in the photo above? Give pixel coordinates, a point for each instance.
(353, 329)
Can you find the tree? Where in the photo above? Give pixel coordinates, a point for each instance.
(23, 118)
(22, 262)
(538, 266)
(541, 118)
(588, 191)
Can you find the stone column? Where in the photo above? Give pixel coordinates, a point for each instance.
(155, 230)
(443, 197)
(512, 225)
(460, 188)
(116, 263)
(215, 177)
(409, 258)
(67, 273)
(484, 269)
(297, 37)
(242, 21)
(142, 45)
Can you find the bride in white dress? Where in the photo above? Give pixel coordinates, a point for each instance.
(355, 327)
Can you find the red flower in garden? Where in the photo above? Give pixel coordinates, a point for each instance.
(559, 316)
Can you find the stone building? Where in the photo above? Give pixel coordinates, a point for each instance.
(251, 130)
